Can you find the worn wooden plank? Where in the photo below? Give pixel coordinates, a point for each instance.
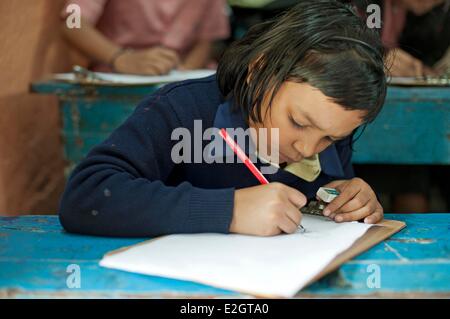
(35, 253)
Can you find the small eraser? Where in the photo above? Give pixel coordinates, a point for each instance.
(327, 194)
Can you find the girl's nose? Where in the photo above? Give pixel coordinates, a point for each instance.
(306, 148)
(308, 151)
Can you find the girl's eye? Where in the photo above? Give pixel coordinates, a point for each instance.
(296, 124)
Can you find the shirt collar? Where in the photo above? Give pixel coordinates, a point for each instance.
(227, 118)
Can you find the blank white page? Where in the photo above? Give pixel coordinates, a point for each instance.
(265, 266)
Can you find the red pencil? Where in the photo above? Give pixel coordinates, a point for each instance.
(244, 158)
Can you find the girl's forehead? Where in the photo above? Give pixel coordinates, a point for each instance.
(302, 95)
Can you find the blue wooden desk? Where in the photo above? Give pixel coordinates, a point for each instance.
(35, 253)
(412, 128)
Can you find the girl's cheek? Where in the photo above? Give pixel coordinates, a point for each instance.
(289, 144)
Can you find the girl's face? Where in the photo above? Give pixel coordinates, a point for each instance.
(308, 121)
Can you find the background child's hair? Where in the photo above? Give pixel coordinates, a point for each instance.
(321, 42)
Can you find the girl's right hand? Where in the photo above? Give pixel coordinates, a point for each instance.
(153, 61)
(267, 210)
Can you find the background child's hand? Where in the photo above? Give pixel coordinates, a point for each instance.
(356, 201)
(404, 64)
(267, 210)
(153, 61)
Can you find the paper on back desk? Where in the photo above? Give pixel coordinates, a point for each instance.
(173, 76)
(266, 266)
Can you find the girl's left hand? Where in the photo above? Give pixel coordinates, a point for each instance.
(356, 201)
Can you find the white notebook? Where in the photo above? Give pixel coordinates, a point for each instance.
(277, 266)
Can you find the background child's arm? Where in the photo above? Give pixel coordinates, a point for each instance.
(150, 61)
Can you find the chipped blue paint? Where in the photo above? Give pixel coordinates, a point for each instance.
(35, 252)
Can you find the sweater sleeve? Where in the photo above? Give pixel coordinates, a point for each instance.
(119, 188)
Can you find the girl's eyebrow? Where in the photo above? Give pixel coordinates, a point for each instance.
(310, 120)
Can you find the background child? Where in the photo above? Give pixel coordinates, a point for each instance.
(148, 36)
(417, 35)
(416, 32)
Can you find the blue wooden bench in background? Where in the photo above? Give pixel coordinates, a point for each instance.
(35, 255)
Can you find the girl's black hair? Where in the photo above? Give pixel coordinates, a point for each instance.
(321, 42)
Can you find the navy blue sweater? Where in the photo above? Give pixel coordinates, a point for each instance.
(129, 185)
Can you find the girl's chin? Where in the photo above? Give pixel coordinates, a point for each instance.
(283, 159)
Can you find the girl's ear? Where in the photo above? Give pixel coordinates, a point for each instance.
(257, 63)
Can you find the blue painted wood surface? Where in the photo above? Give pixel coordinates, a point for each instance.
(35, 253)
(412, 128)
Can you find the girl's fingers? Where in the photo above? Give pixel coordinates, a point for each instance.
(297, 198)
(287, 225)
(334, 184)
(347, 193)
(355, 215)
(376, 217)
(294, 214)
(357, 202)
